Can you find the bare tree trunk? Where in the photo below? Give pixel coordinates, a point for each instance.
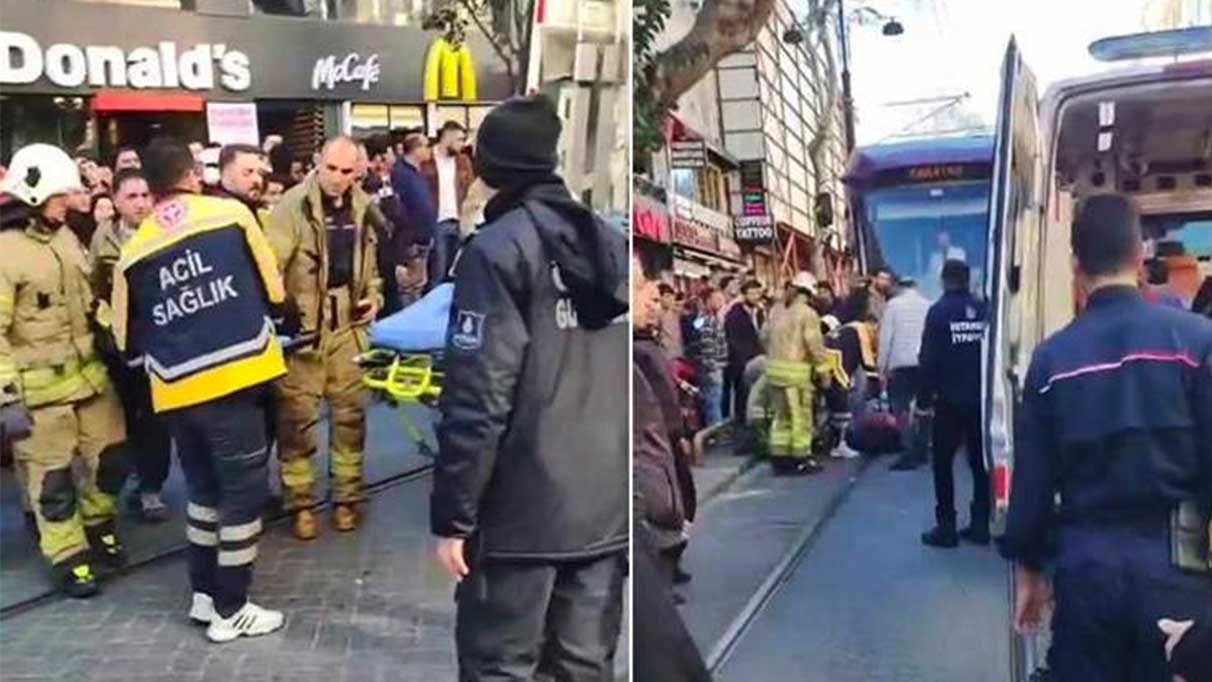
(721, 28)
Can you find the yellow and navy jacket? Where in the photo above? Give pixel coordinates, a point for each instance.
(192, 296)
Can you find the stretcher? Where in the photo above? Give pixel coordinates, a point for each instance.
(404, 363)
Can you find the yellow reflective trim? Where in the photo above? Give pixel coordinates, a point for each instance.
(788, 373)
(199, 513)
(219, 381)
(7, 303)
(46, 385)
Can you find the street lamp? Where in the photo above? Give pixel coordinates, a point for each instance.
(891, 27)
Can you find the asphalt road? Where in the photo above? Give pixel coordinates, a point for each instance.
(866, 601)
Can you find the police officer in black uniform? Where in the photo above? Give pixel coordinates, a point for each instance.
(530, 498)
(1117, 421)
(950, 381)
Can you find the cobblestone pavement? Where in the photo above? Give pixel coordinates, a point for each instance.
(23, 574)
(361, 607)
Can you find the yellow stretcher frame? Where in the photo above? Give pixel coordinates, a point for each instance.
(403, 378)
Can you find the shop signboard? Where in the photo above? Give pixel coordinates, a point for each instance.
(232, 123)
(649, 219)
(65, 47)
(753, 189)
(695, 235)
(754, 230)
(687, 153)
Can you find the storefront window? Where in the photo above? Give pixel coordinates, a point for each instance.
(369, 119)
(318, 9)
(62, 121)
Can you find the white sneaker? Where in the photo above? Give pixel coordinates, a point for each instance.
(202, 611)
(250, 621)
(844, 451)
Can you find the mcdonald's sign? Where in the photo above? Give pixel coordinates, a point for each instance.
(449, 72)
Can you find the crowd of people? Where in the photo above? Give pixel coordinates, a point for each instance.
(425, 201)
(196, 300)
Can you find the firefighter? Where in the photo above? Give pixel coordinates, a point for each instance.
(192, 296)
(795, 357)
(322, 234)
(1117, 425)
(56, 402)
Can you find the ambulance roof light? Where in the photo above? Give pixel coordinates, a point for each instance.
(1170, 43)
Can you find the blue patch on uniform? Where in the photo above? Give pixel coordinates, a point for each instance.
(469, 331)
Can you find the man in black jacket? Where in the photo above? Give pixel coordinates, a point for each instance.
(742, 327)
(530, 496)
(950, 383)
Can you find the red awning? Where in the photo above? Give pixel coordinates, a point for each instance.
(121, 100)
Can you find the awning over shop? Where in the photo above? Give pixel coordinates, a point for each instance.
(111, 101)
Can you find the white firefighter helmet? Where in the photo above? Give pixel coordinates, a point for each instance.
(38, 172)
(804, 281)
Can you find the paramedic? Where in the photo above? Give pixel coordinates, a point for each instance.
(56, 402)
(323, 236)
(1117, 419)
(949, 381)
(192, 295)
(530, 492)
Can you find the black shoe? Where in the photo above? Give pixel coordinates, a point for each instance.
(680, 577)
(976, 534)
(108, 550)
(76, 579)
(941, 536)
(907, 462)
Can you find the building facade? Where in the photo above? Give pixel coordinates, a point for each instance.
(735, 178)
(98, 75)
(775, 97)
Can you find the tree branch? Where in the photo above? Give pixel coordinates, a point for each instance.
(493, 39)
(721, 28)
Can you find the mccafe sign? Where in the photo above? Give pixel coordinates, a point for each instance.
(165, 64)
(330, 71)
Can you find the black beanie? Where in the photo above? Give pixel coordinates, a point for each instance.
(517, 141)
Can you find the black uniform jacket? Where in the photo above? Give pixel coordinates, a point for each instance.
(1116, 418)
(533, 439)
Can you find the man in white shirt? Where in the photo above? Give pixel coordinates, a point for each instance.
(900, 343)
(449, 174)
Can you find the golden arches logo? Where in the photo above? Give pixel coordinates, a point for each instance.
(449, 72)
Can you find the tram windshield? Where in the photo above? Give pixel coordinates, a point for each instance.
(918, 227)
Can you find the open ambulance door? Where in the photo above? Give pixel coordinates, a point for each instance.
(1013, 291)
(1012, 263)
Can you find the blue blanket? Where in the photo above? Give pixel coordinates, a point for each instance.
(421, 327)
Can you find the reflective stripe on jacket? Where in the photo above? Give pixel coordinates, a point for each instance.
(46, 342)
(192, 294)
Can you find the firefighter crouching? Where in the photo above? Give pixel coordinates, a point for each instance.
(322, 235)
(192, 295)
(795, 360)
(55, 399)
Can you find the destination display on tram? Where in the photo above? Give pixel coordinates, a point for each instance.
(933, 173)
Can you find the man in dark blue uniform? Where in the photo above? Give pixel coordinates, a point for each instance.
(950, 381)
(1117, 420)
